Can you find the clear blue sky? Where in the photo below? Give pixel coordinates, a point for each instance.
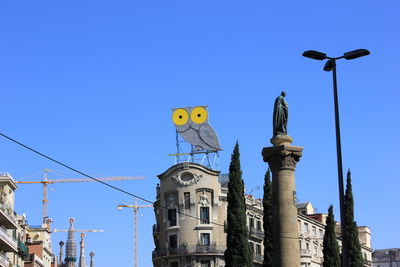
(92, 83)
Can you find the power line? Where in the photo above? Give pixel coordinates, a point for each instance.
(97, 180)
(106, 184)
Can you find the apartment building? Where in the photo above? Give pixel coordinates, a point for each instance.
(12, 226)
(191, 211)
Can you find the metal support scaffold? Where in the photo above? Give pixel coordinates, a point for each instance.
(209, 158)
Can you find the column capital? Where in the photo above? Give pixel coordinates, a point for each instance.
(282, 157)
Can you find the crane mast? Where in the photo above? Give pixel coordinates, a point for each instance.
(135, 207)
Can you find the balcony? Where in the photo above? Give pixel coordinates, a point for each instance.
(367, 262)
(7, 243)
(7, 218)
(305, 253)
(4, 260)
(258, 258)
(22, 249)
(189, 250)
(35, 259)
(253, 232)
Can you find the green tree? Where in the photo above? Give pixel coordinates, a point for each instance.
(355, 258)
(237, 253)
(331, 247)
(267, 221)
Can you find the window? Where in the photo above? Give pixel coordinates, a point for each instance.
(205, 263)
(251, 244)
(251, 223)
(258, 249)
(314, 231)
(305, 227)
(173, 241)
(205, 215)
(171, 217)
(321, 233)
(187, 200)
(205, 239)
(174, 264)
(258, 225)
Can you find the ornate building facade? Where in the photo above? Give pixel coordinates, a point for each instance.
(190, 213)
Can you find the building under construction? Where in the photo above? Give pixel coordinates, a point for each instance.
(70, 249)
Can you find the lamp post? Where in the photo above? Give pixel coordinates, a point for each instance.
(330, 65)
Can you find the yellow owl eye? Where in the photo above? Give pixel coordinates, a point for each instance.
(180, 116)
(199, 115)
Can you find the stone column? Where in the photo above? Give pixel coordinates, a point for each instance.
(282, 159)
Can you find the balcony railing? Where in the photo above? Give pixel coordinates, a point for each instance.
(367, 262)
(258, 258)
(9, 239)
(256, 233)
(305, 252)
(22, 249)
(189, 250)
(8, 211)
(4, 260)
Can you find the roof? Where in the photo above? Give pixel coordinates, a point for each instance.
(187, 165)
(223, 179)
(302, 205)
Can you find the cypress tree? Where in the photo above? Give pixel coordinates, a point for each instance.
(331, 247)
(267, 221)
(237, 253)
(354, 250)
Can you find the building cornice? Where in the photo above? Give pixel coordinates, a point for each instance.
(186, 166)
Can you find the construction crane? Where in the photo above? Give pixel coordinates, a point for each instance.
(46, 181)
(93, 231)
(135, 207)
(71, 222)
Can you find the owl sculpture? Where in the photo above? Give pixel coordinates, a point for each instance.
(192, 124)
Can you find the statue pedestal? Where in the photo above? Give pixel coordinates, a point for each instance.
(282, 159)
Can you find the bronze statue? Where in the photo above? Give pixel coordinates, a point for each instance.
(280, 115)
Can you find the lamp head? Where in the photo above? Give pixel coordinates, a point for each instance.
(119, 207)
(314, 55)
(356, 54)
(328, 65)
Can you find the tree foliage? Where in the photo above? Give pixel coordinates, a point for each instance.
(267, 221)
(237, 253)
(331, 247)
(355, 258)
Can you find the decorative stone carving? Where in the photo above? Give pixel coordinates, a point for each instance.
(171, 201)
(186, 178)
(204, 199)
(281, 158)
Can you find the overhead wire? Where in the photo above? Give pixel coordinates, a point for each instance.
(109, 185)
(97, 180)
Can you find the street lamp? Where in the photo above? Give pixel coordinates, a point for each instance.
(330, 65)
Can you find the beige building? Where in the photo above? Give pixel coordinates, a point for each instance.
(191, 220)
(386, 257)
(39, 247)
(12, 226)
(181, 240)
(20, 244)
(311, 227)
